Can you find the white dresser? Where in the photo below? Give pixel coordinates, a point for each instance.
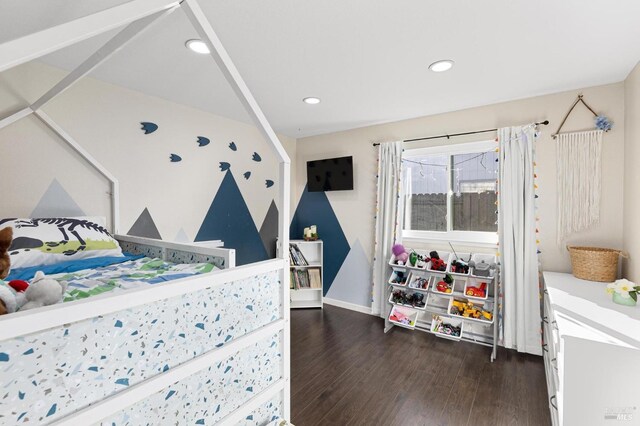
(591, 354)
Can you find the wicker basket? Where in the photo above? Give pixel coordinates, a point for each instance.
(595, 263)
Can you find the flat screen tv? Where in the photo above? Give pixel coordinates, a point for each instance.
(330, 174)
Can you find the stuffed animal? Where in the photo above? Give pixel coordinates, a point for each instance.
(6, 236)
(43, 291)
(400, 253)
(10, 299)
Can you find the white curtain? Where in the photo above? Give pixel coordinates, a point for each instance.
(579, 169)
(519, 301)
(388, 225)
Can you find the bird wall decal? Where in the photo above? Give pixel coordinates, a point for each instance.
(148, 127)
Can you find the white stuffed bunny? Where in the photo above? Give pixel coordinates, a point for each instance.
(43, 292)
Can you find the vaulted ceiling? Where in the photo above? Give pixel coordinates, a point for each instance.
(366, 59)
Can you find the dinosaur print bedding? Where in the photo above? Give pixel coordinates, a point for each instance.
(126, 275)
(47, 241)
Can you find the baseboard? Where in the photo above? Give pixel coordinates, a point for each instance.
(347, 305)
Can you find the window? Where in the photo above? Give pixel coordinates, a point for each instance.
(450, 193)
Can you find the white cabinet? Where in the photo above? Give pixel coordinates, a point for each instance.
(591, 349)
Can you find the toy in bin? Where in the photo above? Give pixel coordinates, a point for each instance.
(419, 282)
(399, 277)
(480, 291)
(437, 264)
(482, 268)
(445, 285)
(403, 316)
(400, 253)
(400, 297)
(459, 267)
(469, 310)
(439, 326)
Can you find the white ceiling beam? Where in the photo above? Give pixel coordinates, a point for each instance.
(15, 117)
(233, 77)
(33, 46)
(115, 44)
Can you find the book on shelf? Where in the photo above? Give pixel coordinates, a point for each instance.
(315, 281)
(300, 279)
(296, 257)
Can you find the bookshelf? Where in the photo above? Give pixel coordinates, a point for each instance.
(305, 289)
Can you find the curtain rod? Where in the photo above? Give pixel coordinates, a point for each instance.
(545, 122)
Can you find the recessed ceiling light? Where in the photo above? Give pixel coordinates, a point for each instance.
(311, 100)
(440, 66)
(197, 46)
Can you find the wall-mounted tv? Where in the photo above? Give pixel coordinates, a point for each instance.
(330, 174)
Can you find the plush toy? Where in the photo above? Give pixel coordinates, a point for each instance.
(43, 291)
(6, 236)
(10, 299)
(400, 253)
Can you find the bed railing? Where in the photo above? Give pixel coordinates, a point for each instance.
(206, 251)
(210, 347)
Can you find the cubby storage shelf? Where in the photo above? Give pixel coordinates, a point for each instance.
(307, 297)
(474, 330)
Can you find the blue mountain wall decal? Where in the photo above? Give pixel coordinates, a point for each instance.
(229, 220)
(314, 209)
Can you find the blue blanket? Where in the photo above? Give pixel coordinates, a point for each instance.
(27, 274)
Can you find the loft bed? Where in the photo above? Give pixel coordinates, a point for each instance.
(207, 349)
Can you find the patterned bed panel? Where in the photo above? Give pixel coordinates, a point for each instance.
(209, 395)
(266, 414)
(47, 375)
(134, 248)
(176, 256)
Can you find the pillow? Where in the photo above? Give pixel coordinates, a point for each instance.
(47, 241)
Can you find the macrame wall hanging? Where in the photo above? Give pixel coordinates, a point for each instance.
(579, 172)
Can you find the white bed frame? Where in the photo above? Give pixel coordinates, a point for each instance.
(136, 16)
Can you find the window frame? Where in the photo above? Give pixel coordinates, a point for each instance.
(474, 237)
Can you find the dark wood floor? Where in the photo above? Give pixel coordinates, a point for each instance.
(346, 371)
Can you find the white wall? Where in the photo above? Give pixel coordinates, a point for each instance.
(356, 209)
(632, 174)
(105, 119)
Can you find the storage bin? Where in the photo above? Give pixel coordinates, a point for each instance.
(434, 285)
(409, 294)
(418, 282)
(445, 256)
(403, 316)
(440, 326)
(483, 258)
(462, 257)
(472, 286)
(399, 278)
(479, 306)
